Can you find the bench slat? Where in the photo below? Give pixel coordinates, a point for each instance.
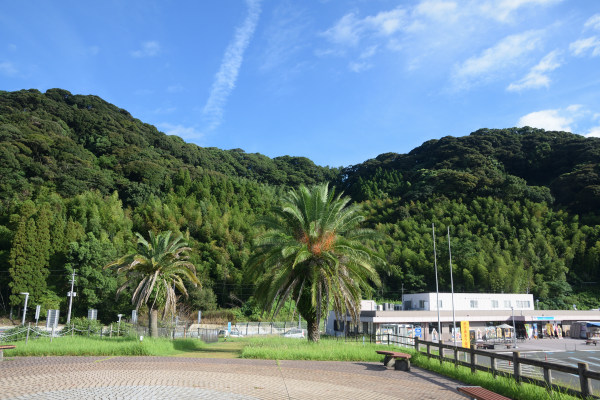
(479, 393)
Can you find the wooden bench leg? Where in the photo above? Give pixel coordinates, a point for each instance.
(388, 361)
(402, 364)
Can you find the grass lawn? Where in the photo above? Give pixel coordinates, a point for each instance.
(94, 346)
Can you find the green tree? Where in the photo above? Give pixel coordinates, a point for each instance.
(26, 271)
(156, 268)
(313, 252)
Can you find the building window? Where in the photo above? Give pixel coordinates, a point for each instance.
(408, 305)
(507, 304)
(494, 303)
(474, 304)
(422, 304)
(522, 304)
(440, 305)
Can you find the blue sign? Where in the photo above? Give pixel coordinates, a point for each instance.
(229, 327)
(418, 331)
(543, 318)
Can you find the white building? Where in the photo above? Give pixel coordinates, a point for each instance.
(484, 311)
(468, 301)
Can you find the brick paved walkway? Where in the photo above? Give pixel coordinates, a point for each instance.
(193, 378)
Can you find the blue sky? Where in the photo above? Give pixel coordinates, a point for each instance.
(336, 81)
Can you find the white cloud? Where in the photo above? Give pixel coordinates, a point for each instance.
(594, 132)
(226, 77)
(346, 31)
(593, 22)
(495, 59)
(149, 49)
(8, 69)
(349, 30)
(554, 120)
(502, 10)
(436, 9)
(579, 47)
(185, 132)
(537, 76)
(359, 66)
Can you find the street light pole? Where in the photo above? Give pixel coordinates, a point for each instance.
(25, 307)
(514, 326)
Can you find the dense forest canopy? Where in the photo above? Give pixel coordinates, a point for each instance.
(79, 177)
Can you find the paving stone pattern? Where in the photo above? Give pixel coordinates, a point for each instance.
(192, 378)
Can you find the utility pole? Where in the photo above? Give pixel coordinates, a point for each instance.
(26, 294)
(437, 291)
(71, 295)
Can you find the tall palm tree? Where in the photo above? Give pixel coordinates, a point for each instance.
(313, 252)
(156, 268)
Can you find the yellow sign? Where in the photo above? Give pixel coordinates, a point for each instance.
(464, 333)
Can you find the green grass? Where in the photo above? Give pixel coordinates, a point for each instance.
(92, 346)
(276, 348)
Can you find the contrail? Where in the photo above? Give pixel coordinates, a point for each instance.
(232, 60)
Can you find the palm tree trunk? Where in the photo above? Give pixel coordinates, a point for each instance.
(153, 322)
(313, 330)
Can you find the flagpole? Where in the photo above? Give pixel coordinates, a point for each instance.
(452, 285)
(436, 285)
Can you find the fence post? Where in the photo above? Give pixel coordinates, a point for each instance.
(110, 330)
(494, 362)
(72, 329)
(473, 359)
(428, 349)
(417, 343)
(27, 338)
(456, 356)
(517, 366)
(441, 349)
(52, 337)
(548, 377)
(586, 385)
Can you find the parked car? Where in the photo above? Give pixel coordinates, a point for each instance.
(233, 333)
(295, 333)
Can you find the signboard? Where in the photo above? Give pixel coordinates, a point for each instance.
(229, 327)
(543, 318)
(133, 316)
(199, 316)
(37, 312)
(92, 313)
(418, 332)
(52, 318)
(464, 333)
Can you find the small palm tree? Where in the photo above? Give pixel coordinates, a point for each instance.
(313, 252)
(156, 268)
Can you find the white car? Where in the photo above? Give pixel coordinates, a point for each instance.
(295, 333)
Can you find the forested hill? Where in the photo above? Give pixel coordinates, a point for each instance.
(512, 164)
(79, 177)
(72, 143)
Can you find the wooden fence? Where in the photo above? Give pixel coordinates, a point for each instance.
(471, 356)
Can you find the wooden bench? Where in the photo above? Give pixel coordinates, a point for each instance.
(400, 361)
(591, 341)
(479, 393)
(485, 346)
(5, 347)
